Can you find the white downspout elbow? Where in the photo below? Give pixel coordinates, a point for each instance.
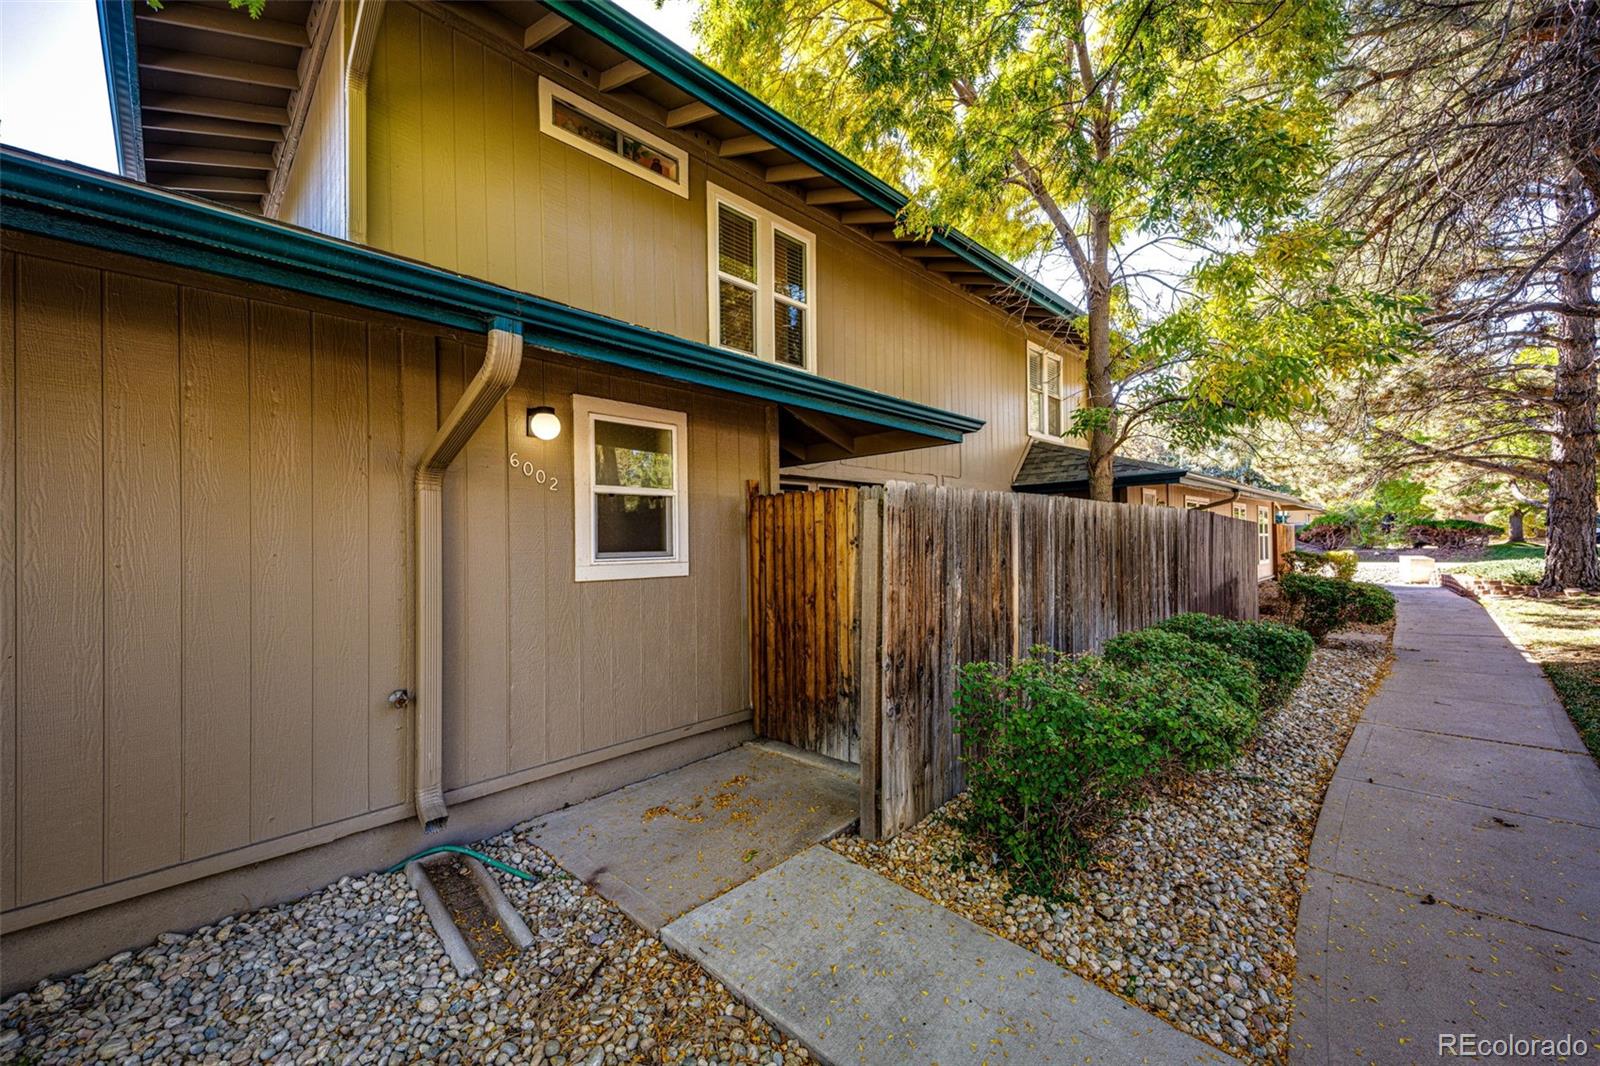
(483, 394)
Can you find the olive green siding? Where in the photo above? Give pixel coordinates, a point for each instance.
(209, 566)
(460, 175)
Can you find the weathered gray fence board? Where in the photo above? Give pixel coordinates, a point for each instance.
(867, 601)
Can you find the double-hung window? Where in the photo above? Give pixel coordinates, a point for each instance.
(631, 517)
(1264, 532)
(1048, 409)
(763, 281)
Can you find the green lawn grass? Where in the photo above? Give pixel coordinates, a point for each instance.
(1563, 636)
(1507, 550)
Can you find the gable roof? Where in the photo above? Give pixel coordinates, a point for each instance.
(1051, 467)
(86, 207)
(619, 57)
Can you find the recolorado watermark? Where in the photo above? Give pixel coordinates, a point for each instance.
(1478, 1046)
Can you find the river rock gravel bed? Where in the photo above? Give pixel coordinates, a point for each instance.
(1190, 909)
(354, 973)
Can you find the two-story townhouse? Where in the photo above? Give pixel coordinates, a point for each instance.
(383, 436)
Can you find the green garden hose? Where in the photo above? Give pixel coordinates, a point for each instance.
(480, 856)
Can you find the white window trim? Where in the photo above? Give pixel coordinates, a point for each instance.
(1069, 395)
(1150, 497)
(585, 409)
(766, 273)
(549, 91)
(1195, 503)
(1264, 533)
(1241, 512)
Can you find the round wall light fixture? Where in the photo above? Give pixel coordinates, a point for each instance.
(543, 423)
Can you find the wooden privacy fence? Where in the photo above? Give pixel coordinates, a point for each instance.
(865, 601)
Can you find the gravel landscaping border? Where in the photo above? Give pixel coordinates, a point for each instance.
(1190, 909)
(354, 973)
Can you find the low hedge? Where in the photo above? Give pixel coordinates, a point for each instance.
(1278, 653)
(1320, 604)
(1144, 648)
(1056, 747)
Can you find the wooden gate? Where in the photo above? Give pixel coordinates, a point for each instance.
(805, 619)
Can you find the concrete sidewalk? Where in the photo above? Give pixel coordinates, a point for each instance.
(860, 970)
(1455, 871)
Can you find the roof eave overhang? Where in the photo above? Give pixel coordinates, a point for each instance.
(1205, 481)
(119, 51)
(662, 57)
(89, 208)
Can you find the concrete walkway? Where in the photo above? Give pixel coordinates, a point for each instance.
(671, 842)
(860, 970)
(1455, 871)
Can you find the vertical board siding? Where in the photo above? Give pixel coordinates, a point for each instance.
(206, 583)
(540, 667)
(60, 456)
(205, 579)
(215, 460)
(8, 582)
(317, 192)
(461, 175)
(144, 720)
(966, 576)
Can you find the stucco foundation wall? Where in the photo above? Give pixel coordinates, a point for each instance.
(206, 571)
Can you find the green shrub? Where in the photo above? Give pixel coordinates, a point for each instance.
(1056, 748)
(1320, 605)
(1340, 565)
(1516, 571)
(1278, 653)
(1146, 648)
(1344, 565)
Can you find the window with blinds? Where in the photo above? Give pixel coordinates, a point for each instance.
(765, 272)
(1046, 393)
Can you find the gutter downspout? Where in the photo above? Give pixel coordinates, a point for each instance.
(483, 394)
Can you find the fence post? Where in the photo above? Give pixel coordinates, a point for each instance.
(869, 658)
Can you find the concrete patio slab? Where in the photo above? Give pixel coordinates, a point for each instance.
(861, 970)
(1381, 975)
(664, 845)
(1519, 866)
(1455, 871)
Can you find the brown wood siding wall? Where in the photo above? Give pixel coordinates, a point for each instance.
(460, 175)
(206, 578)
(316, 194)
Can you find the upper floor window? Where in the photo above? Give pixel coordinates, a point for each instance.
(1049, 401)
(591, 128)
(763, 276)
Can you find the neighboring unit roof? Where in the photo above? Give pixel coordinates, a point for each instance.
(1051, 467)
(86, 207)
(618, 56)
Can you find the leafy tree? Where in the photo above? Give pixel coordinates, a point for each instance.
(1083, 132)
(1470, 147)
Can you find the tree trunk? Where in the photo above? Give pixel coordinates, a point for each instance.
(1515, 535)
(1570, 554)
(1098, 368)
